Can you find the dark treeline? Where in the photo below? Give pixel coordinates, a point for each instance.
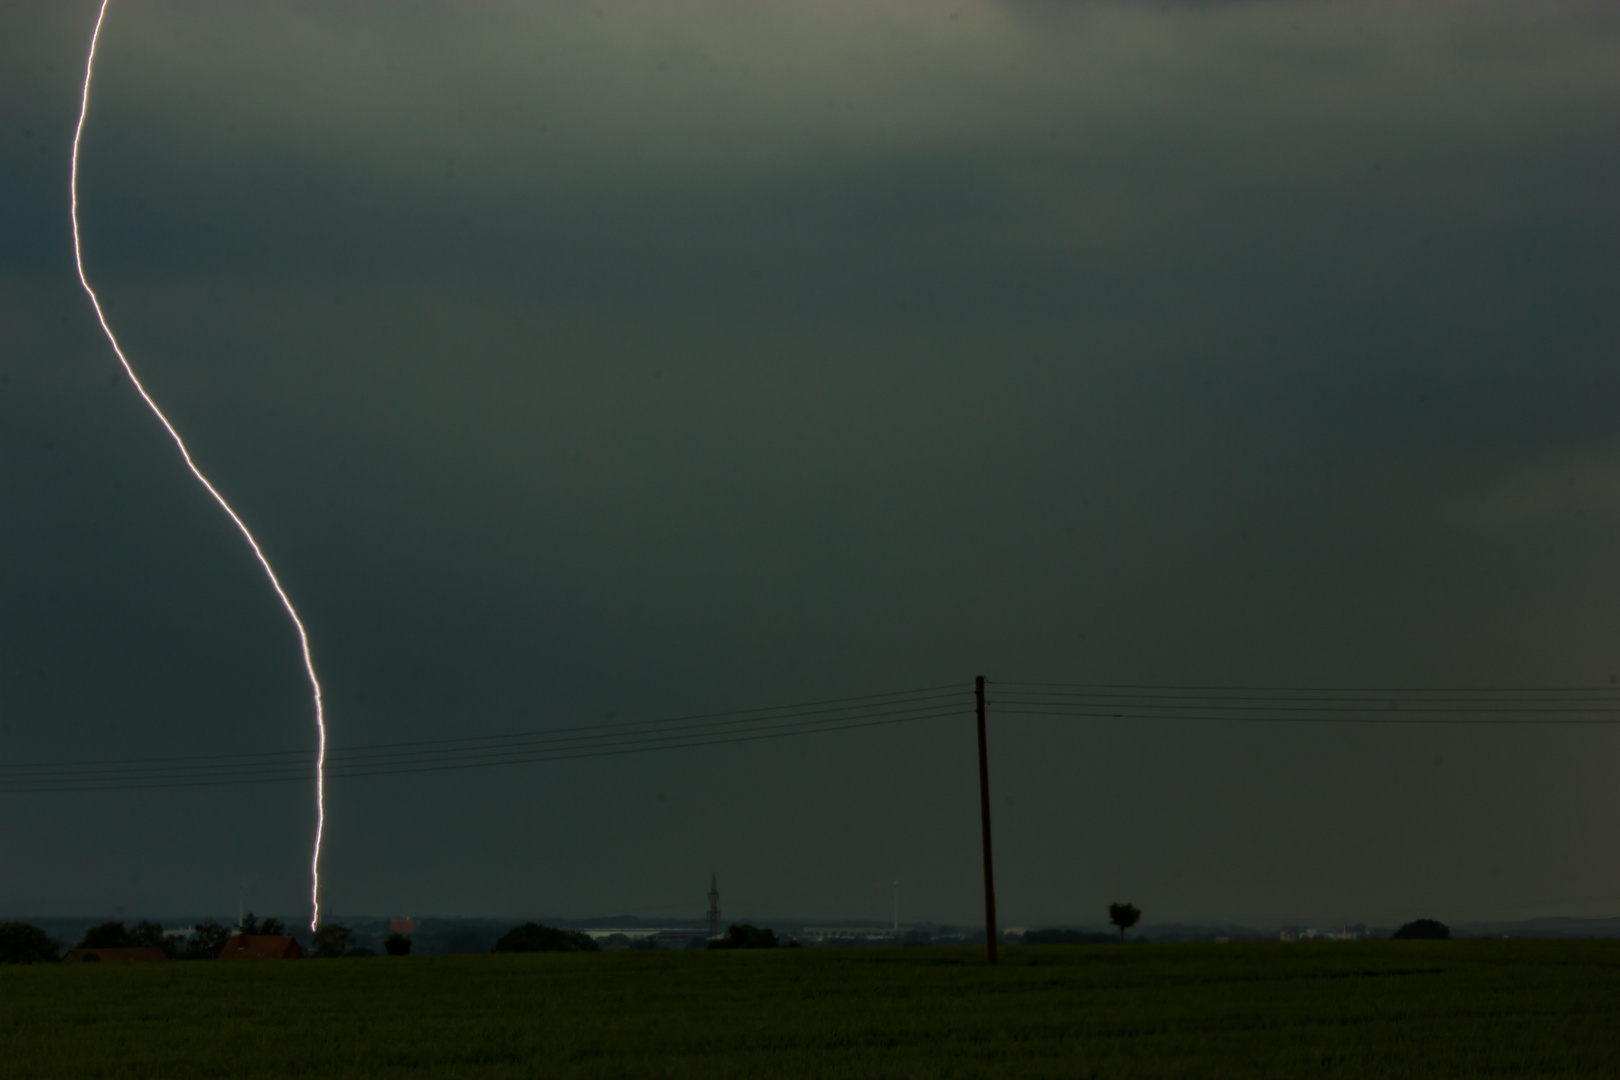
(23, 942)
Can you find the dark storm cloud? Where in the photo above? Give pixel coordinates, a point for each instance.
(607, 361)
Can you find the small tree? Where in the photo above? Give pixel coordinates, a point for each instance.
(1423, 930)
(532, 937)
(23, 943)
(745, 936)
(206, 940)
(397, 945)
(251, 927)
(331, 941)
(151, 935)
(1123, 916)
(108, 935)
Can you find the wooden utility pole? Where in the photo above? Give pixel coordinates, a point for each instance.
(984, 815)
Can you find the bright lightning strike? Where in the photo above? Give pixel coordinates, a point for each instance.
(303, 637)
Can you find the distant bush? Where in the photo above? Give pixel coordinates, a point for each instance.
(1422, 929)
(397, 945)
(22, 943)
(744, 936)
(360, 952)
(1066, 937)
(108, 935)
(532, 937)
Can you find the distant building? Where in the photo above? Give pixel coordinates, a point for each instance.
(1303, 933)
(641, 937)
(633, 933)
(147, 955)
(833, 935)
(402, 926)
(261, 947)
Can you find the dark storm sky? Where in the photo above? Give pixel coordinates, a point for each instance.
(581, 362)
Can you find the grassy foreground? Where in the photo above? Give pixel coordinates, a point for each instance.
(1378, 1009)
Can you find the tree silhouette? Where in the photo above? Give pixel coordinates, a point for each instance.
(1123, 916)
(745, 936)
(206, 940)
(150, 935)
(21, 943)
(250, 927)
(532, 937)
(109, 935)
(1421, 930)
(331, 940)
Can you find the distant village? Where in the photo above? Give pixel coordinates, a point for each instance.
(87, 940)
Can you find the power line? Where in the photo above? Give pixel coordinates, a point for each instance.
(1372, 690)
(1096, 713)
(590, 753)
(356, 763)
(1383, 700)
(1506, 706)
(350, 761)
(301, 755)
(781, 723)
(1483, 706)
(1525, 706)
(1258, 706)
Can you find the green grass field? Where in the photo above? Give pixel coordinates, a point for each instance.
(1377, 1009)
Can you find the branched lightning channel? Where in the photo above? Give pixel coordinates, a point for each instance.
(275, 583)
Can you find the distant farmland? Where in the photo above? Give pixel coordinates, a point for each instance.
(1366, 1009)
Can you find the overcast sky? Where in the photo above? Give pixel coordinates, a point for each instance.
(580, 362)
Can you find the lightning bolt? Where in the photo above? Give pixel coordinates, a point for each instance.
(258, 553)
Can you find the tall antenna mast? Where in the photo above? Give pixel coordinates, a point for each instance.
(714, 904)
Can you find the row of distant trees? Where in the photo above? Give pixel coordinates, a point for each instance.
(1125, 916)
(22, 943)
(334, 940)
(532, 937)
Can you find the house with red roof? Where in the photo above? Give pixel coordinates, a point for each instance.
(261, 947)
